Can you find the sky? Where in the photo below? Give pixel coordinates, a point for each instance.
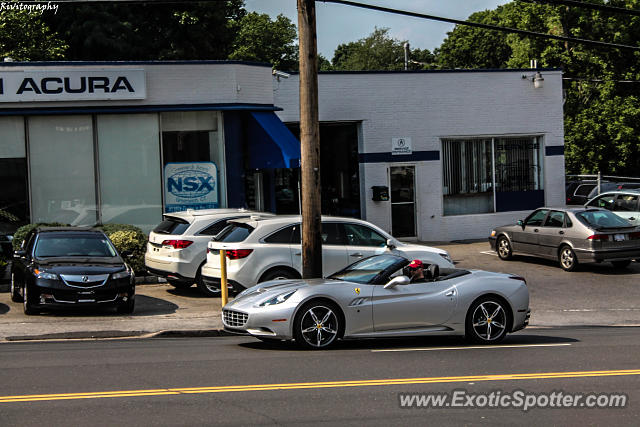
(337, 24)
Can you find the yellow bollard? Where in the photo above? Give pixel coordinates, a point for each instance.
(224, 294)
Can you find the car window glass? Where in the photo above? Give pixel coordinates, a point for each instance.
(568, 222)
(57, 245)
(332, 234)
(555, 219)
(282, 236)
(605, 202)
(171, 225)
(359, 235)
(215, 228)
(584, 189)
(603, 219)
(536, 218)
(234, 233)
(626, 203)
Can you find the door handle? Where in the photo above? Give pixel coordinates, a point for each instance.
(535, 230)
(356, 254)
(450, 293)
(560, 232)
(298, 254)
(632, 219)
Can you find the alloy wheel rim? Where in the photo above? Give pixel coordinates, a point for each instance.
(319, 326)
(503, 247)
(13, 286)
(489, 320)
(567, 258)
(24, 297)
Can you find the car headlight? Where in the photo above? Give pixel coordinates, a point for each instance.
(41, 274)
(447, 257)
(277, 299)
(120, 275)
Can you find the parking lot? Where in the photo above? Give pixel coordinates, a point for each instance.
(596, 294)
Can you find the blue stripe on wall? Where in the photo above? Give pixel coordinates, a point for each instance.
(416, 156)
(554, 150)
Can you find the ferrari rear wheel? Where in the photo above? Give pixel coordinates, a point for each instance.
(487, 321)
(317, 325)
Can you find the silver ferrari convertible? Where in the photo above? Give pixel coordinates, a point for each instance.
(374, 298)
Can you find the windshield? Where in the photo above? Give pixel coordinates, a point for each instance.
(367, 270)
(602, 219)
(72, 245)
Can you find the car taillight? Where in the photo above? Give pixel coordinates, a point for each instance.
(177, 244)
(518, 278)
(635, 235)
(600, 237)
(238, 253)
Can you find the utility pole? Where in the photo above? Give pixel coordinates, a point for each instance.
(309, 141)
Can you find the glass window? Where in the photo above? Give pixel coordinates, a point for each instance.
(282, 236)
(602, 219)
(555, 219)
(194, 136)
(172, 225)
(129, 154)
(234, 233)
(584, 189)
(14, 197)
(63, 186)
(605, 201)
(359, 235)
(332, 234)
(536, 218)
(67, 245)
(626, 203)
(12, 137)
(367, 270)
(480, 174)
(215, 228)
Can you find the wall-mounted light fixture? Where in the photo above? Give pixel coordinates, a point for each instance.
(537, 79)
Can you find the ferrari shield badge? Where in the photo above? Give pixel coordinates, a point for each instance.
(357, 291)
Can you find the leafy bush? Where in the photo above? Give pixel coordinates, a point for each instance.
(21, 233)
(128, 238)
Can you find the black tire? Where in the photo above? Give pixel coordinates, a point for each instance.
(208, 290)
(503, 248)
(127, 307)
(15, 290)
(621, 264)
(27, 302)
(279, 274)
(180, 285)
(308, 331)
(484, 313)
(567, 258)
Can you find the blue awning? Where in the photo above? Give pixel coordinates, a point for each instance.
(271, 144)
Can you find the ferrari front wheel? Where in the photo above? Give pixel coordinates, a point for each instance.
(317, 325)
(487, 321)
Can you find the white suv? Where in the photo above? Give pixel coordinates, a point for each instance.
(177, 247)
(260, 249)
(624, 203)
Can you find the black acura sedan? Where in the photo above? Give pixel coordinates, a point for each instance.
(69, 266)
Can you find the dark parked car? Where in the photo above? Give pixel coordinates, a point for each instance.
(69, 267)
(571, 236)
(611, 186)
(577, 192)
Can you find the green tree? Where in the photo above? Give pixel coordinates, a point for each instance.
(148, 31)
(24, 36)
(378, 51)
(263, 40)
(602, 130)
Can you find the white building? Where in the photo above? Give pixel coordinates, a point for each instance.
(123, 142)
(482, 148)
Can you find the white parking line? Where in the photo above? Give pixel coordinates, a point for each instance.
(470, 348)
(489, 253)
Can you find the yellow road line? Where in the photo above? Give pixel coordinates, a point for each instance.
(313, 385)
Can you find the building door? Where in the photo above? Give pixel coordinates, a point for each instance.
(403, 201)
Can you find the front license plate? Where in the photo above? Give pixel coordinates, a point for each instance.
(618, 237)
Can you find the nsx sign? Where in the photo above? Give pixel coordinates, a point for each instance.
(72, 85)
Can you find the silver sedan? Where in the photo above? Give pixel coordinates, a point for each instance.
(373, 298)
(571, 236)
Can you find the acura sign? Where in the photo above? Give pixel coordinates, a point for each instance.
(72, 85)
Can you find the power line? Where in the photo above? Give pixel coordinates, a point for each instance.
(484, 26)
(612, 9)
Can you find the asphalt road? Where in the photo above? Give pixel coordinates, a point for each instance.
(230, 380)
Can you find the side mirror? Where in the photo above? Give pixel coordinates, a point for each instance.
(521, 223)
(390, 244)
(20, 253)
(398, 280)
